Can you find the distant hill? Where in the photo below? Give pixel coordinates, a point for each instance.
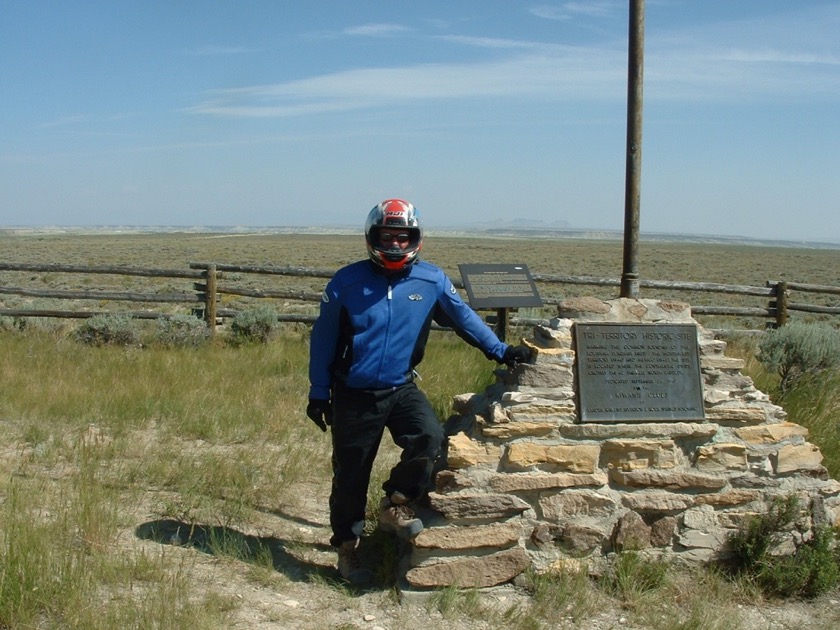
(662, 237)
(520, 228)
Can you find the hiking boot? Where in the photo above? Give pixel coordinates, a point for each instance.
(395, 516)
(350, 565)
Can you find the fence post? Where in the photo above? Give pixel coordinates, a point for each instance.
(781, 303)
(210, 298)
(501, 323)
(778, 302)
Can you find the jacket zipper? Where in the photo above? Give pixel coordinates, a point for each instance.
(388, 298)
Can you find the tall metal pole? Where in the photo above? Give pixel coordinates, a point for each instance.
(633, 170)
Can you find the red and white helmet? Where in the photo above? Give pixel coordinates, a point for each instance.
(396, 215)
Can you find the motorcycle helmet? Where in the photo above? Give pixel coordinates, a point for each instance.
(400, 219)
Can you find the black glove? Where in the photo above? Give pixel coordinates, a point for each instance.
(515, 355)
(320, 412)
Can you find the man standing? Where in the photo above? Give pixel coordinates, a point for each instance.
(370, 335)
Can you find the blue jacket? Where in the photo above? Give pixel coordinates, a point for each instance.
(373, 327)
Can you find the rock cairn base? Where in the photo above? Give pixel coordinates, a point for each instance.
(528, 486)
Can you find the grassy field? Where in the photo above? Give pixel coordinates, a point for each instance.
(684, 261)
(150, 487)
(709, 262)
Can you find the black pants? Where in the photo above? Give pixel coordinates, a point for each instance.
(360, 419)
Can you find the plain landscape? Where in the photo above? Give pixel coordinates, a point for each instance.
(729, 260)
(158, 487)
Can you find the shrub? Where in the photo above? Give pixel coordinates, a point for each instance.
(108, 330)
(752, 543)
(181, 331)
(811, 570)
(7, 324)
(798, 349)
(632, 575)
(254, 325)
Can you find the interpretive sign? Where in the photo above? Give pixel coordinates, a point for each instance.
(499, 286)
(638, 372)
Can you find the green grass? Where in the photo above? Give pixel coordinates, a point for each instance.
(190, 390)
(219, 435)
(816, 405)
(216, 435)
(213, 436)
(814, 402)
(95, 439)
(56, 557)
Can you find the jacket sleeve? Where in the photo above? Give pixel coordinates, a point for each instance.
(322, 344)
(454, 313)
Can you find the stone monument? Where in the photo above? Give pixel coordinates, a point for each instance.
(529, 482)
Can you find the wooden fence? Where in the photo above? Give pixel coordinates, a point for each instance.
(212, 284)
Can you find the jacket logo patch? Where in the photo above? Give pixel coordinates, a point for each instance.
(325, 297)
(452, 289)
(415, 297)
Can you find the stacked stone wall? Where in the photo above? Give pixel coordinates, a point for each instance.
(527, 485)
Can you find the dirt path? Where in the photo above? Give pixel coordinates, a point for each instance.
(303, 589)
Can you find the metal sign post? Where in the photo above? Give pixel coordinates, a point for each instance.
(501, 287)
(633, 174)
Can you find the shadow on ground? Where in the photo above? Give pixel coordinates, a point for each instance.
(218, 540)
(286, 555)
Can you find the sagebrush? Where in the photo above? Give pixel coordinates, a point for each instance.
(800, 349)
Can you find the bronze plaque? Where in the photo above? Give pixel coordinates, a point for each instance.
(499, 286)
(638, 373)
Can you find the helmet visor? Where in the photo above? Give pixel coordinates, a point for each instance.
(397, 238)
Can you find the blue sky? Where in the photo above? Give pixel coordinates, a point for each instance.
(284, 113)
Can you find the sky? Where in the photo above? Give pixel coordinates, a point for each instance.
(479, 112)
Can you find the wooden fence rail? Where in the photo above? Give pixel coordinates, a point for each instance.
(102, 269)
(211, 283)
(115, 296)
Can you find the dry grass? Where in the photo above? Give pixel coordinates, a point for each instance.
(696, 262)
(184, 488)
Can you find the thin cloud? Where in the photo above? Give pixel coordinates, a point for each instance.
(377, 30)
(570, 10)
(550, 13)
(772, 56)
(690, 64)
(748, 59)
(600, 76)
(595, 9)
(492, 42)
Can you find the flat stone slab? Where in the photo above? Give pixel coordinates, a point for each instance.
(470, 572)
(477, 506)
